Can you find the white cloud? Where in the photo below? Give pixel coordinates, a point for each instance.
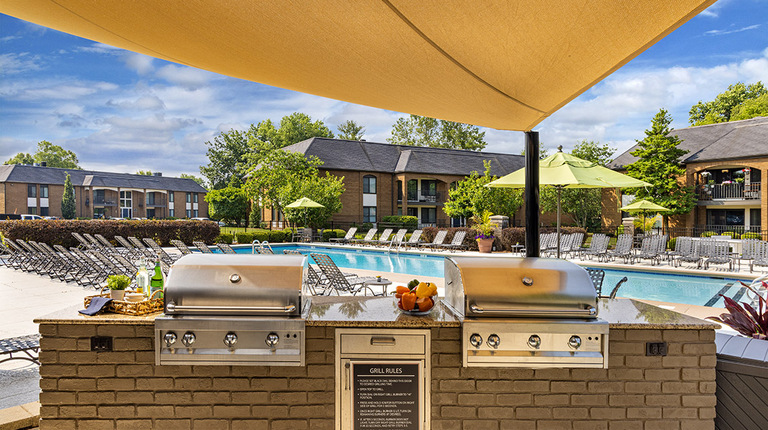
(187, 77)
(738, 30)
(140, 63)
(23, 62)
(143, 103)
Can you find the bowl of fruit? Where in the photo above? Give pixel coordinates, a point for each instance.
(418, 298)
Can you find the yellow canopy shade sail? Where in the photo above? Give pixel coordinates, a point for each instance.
(501, 64)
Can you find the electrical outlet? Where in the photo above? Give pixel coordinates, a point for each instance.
(101, 343)
(656, 349)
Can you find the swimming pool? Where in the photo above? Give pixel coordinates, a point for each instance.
(663, 287)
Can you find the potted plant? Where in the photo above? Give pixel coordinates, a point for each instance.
(117, 285)
(745, 319)
(486, 228)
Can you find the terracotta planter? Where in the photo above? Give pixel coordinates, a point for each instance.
(485, 245)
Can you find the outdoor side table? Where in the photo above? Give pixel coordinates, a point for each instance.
(384, 283)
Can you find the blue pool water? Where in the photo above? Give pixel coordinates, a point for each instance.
(685, 289)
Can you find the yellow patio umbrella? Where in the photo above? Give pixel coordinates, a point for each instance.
(644, 207)
(304, 203)
(561, 170)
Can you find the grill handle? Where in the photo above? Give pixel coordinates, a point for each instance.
(173, 308)
(574, 313)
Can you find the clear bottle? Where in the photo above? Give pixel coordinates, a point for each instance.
(157, 281)
(142, 278)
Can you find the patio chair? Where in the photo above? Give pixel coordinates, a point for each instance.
(103, 241)
(397, 239)
(760, 256)
(95, 244)
(382, 240)
(623, 249)
(718, 252)
(566, 245)
(317, 284)
(413, 240)
(457, 242)
(169, 259)
(226, 249)
(749, 249)
(5, 255)
(437, 241)
(303, 235)
(84, 243)
(181, 246)
(127, 248)
(547, 241)
(652, 249)
(140, 249)
(691, 254)
(598, 276)
(683, 246)
(337, 280)
(36, 262)
(597, 247)
(347, 237)
(97, 272)
(202, 247)
(368, 237)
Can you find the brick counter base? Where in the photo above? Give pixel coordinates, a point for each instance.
(676, 392)
(123, 389)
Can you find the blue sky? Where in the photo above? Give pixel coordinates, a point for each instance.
(121, 111)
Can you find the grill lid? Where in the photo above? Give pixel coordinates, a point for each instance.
(264, 285)
(518, 287)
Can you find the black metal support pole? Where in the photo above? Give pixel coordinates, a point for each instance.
(531, 194)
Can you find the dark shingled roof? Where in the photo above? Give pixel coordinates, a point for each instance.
(354, 155)
(55, 176)
(728, 140)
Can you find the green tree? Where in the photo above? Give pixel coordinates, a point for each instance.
(350, 130)
(424, 131)
(228, 204)
(659, 164)
(584, 205)
(471, 197)
(254, 218)
(326, 190)
(68, 199)
(279, 177)
(726, 104)
(299, 126)
(144, 172)
(197, 179)
(751, 108)
(21, 158)
(225, 158)
(48, 153)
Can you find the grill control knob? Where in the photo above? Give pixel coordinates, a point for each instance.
(574, 342)
(272, 340)
(188, 338)
(170, 339)
(476, 340)
(230, 339)
(534, 341)
(493, 341)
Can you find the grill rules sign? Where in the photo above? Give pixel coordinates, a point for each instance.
(386, 395)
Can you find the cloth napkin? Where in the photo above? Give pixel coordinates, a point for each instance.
(97, 305)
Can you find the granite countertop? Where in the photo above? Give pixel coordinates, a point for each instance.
(347, 311)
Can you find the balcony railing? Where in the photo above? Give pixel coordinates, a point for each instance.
(104, 202)
(424, 198)
(733, 191)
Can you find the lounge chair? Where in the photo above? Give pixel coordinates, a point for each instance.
(84, 243)
(413, 240)
(623, 249)
(337, 280)
(95, 244)
(457, 242)
(347, 237)
(202, 247)
(598, 247)
(397, 239)
(368, 237)
(169, 259)
(717, 252)
(437, 241)
(652, 249)
(226, 249)
(690, 254)
(683, 246)
(127, 248)
(181, 246)
(383, 238)
(103, 241)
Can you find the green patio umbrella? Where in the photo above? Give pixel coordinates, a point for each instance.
(562, 170)
(644, 207)
(304, 203)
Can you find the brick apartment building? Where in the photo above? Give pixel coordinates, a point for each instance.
(382, 179)
(38, 190)
(725, 164)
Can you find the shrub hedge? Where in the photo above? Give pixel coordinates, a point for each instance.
(227, 238)
(404, 220)
(59, 232)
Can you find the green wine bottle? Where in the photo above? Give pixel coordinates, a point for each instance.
(156, 282)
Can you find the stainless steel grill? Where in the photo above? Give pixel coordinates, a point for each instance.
(526, 312)
(233, 310)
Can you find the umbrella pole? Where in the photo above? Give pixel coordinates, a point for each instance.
(531, 193)
(559, 190)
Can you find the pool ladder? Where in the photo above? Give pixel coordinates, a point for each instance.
(261, 247)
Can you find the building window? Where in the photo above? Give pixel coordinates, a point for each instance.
(189, 197)
(31, 191)
(725, 217)
(428, 215)
(126, 204)
(170, 196)
(172, 213)
(150, 200)
(189, 212)
(150, 213)
(413, 190)
(369, 184)
(98, 198)
(429, 188)
(369, 214)
(195, 197)
(32, 210)
(44, 211)
(43, 191)
(195, 213)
